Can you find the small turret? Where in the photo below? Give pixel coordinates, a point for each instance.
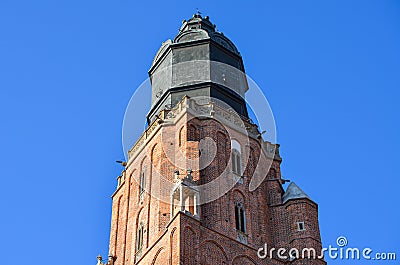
(110, 260)
(99, 260)
(302, 217)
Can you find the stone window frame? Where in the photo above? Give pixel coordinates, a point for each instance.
(301, 226)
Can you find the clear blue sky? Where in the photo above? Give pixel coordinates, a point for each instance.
(330, 70)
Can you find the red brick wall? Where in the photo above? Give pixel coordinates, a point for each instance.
(213, 238)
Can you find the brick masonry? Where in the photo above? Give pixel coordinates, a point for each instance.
(212, 238)
(173, 229)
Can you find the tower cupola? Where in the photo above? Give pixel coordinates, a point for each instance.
(199, 61)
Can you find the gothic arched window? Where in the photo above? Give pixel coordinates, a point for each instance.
(193, 133)
(139, 237)
(181, 136)
(240, 217)
(236, 162)
(142, 183)
(236, 158)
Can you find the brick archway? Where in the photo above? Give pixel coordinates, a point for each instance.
(243, 260)
(212, 253)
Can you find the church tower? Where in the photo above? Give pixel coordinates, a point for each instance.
(185, 196)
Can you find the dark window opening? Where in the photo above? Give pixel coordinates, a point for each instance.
(300, 226)
(240, 218)
(142, 183)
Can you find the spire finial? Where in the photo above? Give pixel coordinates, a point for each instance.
(197, 14)
(99, 260)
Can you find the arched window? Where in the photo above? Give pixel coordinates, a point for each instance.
(236, 162)
(193, 133)
(181, 135)
(236, 158)
(139, 237)
(240, 217)
(142, 183)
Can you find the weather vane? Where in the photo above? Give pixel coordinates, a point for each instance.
(198, 11)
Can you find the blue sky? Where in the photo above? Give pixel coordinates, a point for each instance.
(330, 70)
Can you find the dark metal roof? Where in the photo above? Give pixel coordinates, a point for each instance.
(198, 28)
(294, 192)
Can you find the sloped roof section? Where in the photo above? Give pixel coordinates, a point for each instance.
(198, 28)
(294, 192)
